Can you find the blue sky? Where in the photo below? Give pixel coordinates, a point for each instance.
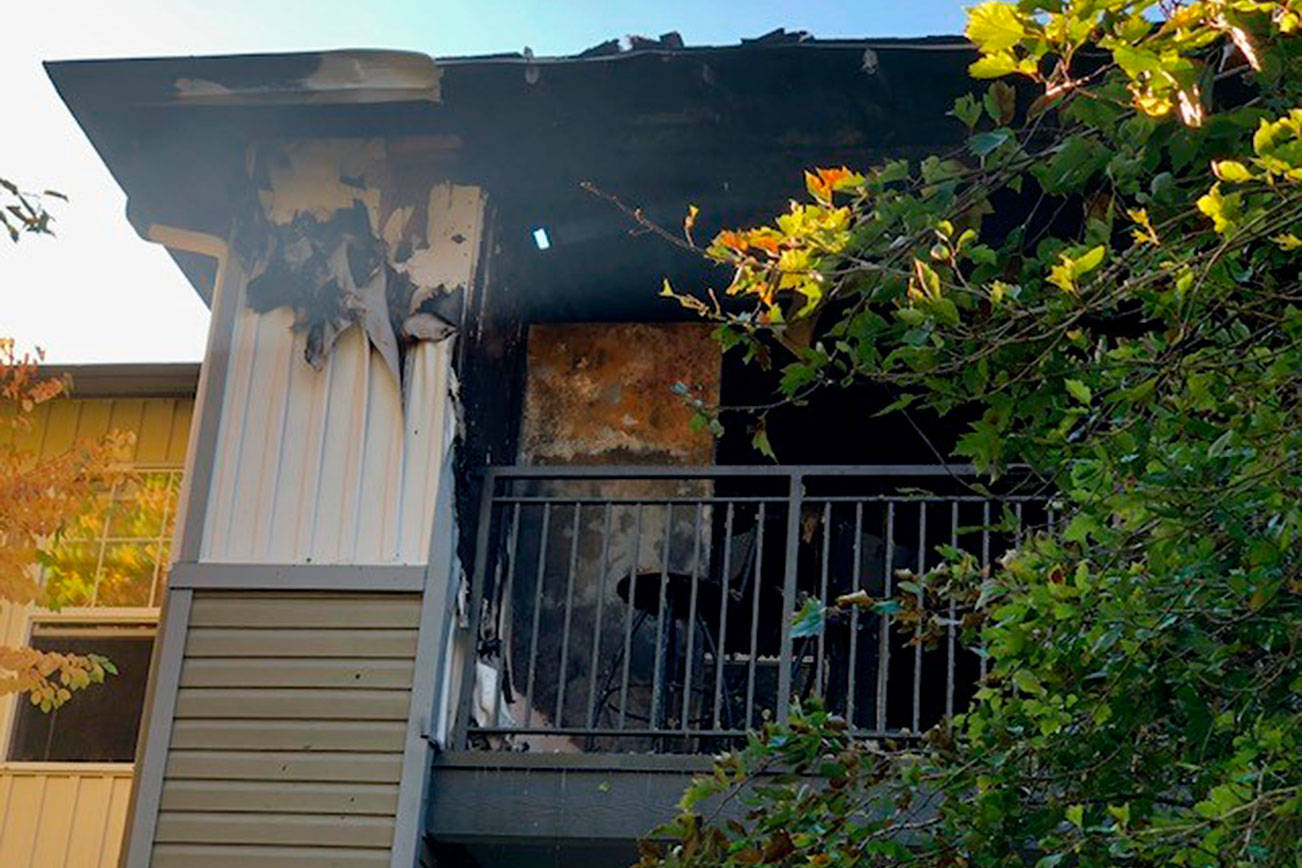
(97, 293)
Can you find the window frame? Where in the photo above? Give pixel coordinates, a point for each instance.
(82, 615)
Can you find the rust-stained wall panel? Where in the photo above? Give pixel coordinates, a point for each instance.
(604, 393)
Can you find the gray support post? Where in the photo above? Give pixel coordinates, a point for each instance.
(431, 668)
(795, 498)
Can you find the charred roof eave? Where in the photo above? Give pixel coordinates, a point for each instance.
(659, 120)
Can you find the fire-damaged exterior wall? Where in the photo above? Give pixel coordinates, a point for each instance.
(315, 567)
(610, 393)
(603, 394)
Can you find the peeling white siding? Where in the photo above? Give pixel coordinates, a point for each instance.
(338, 466)
(326, 467)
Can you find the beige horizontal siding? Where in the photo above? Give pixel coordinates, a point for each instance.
(222, 642)
(284, 766)
(321, 830)
(62, 818)
(289, 612)
(259, 796)
(319, 735)
(243, 672)
(291, 703)
(288, 731)
(192, 856)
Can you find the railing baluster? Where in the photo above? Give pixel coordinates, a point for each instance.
(537, 613)
(691, 621)
(562, 678)
(917, 647)
(754, 618)
(985, 565)
(822, 600)
(662, 617)
(505, 613)
(786, 654)
(593, 664)
(722, 639)
(857, 572)
(950, 635)
(628, 614)
(884, 628)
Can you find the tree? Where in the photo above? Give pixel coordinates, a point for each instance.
(1105, 278)
(40, 496)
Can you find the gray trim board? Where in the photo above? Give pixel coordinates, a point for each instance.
(431, 668)
(298, 577)
(584, 762)
(208, 409)
(156, 729)
(152, 380)
(550, 805)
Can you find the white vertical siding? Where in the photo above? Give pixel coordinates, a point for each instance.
(326, 467)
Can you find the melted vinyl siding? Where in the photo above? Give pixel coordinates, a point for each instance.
(289, 728)
(326, 466)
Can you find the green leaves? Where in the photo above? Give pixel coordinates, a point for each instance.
(1079, 391)
(984, 144)
(1126, 325)
(808, 621)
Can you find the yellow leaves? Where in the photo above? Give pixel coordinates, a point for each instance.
(1287, 242)
(773, 262)
(995, 26)
(49, 678)
(1231, 170)
(1144, 233)
(1068, 271)
(39, 496)
(999, 30)
(1224, 210)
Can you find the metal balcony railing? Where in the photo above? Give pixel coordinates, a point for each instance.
(651, 608)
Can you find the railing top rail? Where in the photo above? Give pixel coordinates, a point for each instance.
(657, 471)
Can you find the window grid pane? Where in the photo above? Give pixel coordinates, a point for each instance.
(118, 555)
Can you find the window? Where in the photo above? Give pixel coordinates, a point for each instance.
(118, 555)
(106, 575)
(99, 724)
